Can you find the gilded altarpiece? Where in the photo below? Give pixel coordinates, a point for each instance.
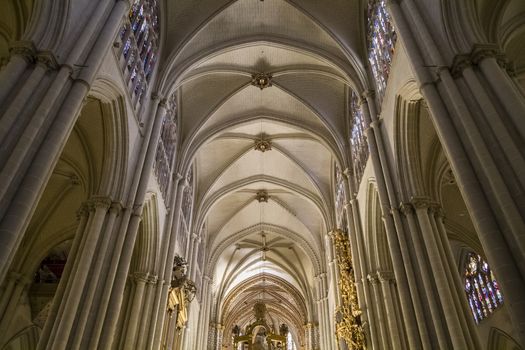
(348, 315)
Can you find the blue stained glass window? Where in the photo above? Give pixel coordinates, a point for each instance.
(381, 44)
(127, 46)
(358, 144)
(167, 145)
(482, 289)
(140, 34)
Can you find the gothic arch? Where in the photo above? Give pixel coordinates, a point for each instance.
(14, 21)
(26, 339)
(499, 340)
(48, 24)
(379, 258)
(407, 141)
(146, 252)
(92, 164)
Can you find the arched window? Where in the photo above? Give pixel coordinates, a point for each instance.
(381, 43)
(139, 38)
(359, 147)
(187, 198)
(340, 199)
(166, 147)
(481, 287)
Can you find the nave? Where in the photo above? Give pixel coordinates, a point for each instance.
(262, 174)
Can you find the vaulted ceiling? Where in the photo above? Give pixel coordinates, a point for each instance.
(269, 248)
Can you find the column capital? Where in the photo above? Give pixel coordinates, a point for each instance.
(163, 102)
(459, 63)
(366, 94)
(420, 202)
(101, 202)
(373, 278)
(140, 277)
(439, 213)
(347, 173)
(25, 49)
(406, 208)
(376, 123)
(83, 210)
(157, 96)
(116, 207)
(48, 60)
(386, 276)
(481, 51)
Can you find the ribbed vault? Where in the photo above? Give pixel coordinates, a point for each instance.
(265, 212)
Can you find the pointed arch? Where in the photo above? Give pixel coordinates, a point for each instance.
(146, 252)
(499, 340)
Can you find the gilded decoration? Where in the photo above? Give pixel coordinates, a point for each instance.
(181, 293)
(260, 335)
(348, 314)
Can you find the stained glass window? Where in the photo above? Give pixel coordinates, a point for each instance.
(166, 148)
(340, 198)
(381, 43)
(139, 38)
(358, 144)
(483, 292)
(187, 198)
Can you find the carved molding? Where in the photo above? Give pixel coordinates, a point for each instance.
(262, 80)
(262, 196)
(386, 276)
(47, 59)
(373, 278)
(478, 53)
(26, 49)
(420, 202)
(406, 209)
(263, 144)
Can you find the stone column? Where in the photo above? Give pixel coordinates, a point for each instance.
(136, 306)
(98, 210)
(387, 281)
(425, 276)
(69, 270)
(195, 254)
(118, 264)
(361, 271)
(21, 56)
(220, 333)
(30, 164)
(384, 342)
(145, 317)
(502, 85)
(88, 300)
(444, 293)
(456, 283)
(168, 254)
(202, 313)
(411, 308)
(10, 300)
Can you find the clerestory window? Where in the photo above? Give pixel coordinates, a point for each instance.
(381, 44)
(483, 292)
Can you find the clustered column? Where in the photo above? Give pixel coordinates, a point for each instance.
(477, 111)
